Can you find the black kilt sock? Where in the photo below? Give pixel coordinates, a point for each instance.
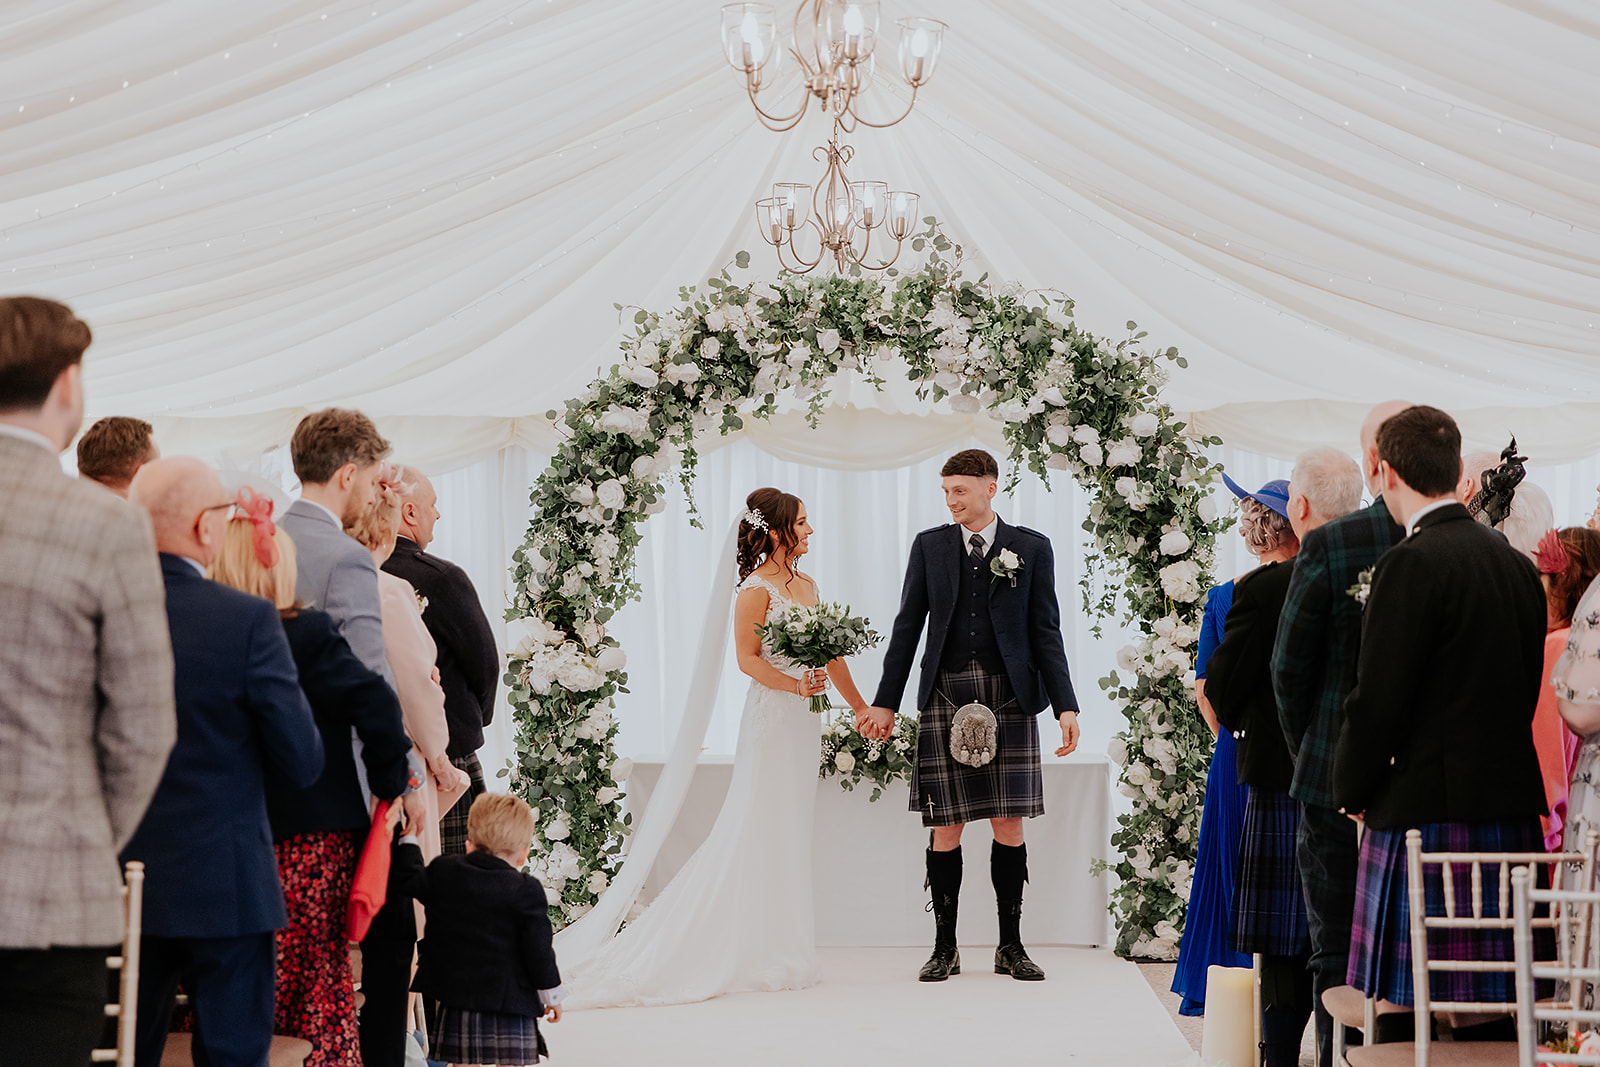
(1008, 868)
(944, 882)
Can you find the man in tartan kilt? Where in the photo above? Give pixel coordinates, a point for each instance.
(987, 592)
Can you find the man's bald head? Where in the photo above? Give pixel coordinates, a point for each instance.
(187, 506)
(1369, 440)
(418, 506)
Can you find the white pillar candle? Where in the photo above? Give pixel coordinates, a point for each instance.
(1229, 1037)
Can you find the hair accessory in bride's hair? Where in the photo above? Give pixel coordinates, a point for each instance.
(1498, 486)
(1551, 555)
(753, 517)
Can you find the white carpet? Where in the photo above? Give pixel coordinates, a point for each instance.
(869, 1009)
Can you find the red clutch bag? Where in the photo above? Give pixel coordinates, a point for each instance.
(371, 885)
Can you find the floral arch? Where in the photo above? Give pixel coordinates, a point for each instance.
(1070, 402)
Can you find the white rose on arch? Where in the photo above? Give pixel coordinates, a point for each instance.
(1091, 454)
(828, 340)
(965, 404)
(640, 375)
(1128, 658)
(1175, 543)
(1144, 424)
(1206, 509)
(611, 659)
(610, 494)
(1124, 453)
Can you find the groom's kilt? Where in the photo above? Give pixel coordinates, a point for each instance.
(1011, 786)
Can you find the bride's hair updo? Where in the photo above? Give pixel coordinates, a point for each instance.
(779, 511)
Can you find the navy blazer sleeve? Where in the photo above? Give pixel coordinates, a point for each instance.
(465, 630)
(902, 651)
(290, 740)
(536, 947)
(373, 710)
(1044, 632)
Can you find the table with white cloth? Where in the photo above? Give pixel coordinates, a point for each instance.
(869, 857)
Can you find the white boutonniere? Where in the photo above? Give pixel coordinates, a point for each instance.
(1006, 564)
(422, 603)
(1363, 587)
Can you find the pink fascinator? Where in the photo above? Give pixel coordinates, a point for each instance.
(1550, 556)
(257, 508)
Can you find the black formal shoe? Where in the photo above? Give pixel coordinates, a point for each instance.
(944, 962)
(1013, 960)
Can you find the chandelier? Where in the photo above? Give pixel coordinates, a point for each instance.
(843, 39)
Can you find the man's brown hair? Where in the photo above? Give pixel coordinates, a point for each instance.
(327, 440)
(38, 340)
(114, 448)
(973, 463)
(1423, 446)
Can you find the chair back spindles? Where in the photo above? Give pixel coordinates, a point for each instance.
(127, 965)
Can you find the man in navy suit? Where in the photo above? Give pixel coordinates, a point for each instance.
(212, 895)
(987, 591)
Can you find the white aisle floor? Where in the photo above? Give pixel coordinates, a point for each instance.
(869, 1009)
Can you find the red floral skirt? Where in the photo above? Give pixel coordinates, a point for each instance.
(316, 995)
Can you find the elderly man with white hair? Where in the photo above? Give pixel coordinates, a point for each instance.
(1313, 667)
(212, 895)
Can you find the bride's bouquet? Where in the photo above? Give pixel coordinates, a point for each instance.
(815, 636)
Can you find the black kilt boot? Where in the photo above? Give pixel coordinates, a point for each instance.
(1008, 867)
(944, 882)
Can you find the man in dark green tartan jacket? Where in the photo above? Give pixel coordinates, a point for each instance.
(1313, 670)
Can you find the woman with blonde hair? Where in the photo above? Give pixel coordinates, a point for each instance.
(316, 829)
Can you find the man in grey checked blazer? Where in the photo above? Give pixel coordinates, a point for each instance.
(1313, 670)
(86, 704)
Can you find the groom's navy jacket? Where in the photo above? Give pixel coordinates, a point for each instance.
(1026, 619)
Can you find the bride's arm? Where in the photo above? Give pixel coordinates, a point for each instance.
(750, 611)
(839, 675)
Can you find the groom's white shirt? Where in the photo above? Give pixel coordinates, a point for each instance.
(987, 533)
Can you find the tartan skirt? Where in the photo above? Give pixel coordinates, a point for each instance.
(1269, 907)
(461, 1036)
(1011, 786)
(1380, 940)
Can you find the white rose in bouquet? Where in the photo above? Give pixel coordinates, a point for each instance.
(621, 770)
(559, 829)
(611, 658)
(610, 494)
(1144, 424)
(845, 762)
(1174, 543)
(1124, 453)
(716, 320)
(605, 795)
(640, 375)
(1091, 455)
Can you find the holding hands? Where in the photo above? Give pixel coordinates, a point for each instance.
(875, 724)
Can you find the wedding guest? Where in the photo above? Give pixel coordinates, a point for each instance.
(212, 897)
(386, 952)
(469, 662)
(1506, 502)
(1446, 685)
(86, 705)
(113, 449)
(317, 831)
(1269, 915)
(1576, 684)
(1313, 668)
(1568, 561)
(488, 961)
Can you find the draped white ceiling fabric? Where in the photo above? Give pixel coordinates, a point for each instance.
(425, 208)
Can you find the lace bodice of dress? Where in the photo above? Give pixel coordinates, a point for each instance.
(777, 603)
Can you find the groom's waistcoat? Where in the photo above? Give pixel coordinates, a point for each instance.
(971, 637)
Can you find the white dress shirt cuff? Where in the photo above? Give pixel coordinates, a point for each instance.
(552, 998)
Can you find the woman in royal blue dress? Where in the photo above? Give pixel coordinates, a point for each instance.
(1207, 929)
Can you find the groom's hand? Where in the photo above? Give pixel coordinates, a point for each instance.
(1069, 733)
(876, 723)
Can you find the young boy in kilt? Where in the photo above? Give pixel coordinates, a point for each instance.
(986, 591)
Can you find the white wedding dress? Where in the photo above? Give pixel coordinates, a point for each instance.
(738, 916)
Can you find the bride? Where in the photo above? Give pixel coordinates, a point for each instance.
(738, 916)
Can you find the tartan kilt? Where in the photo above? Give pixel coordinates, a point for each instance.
(461, 1036)
(1269, 906)
(453, 823)
(1380, 941)
(1011, 786)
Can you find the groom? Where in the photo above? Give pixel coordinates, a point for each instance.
(988, 593)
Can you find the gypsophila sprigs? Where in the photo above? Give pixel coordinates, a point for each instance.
(1070, 402)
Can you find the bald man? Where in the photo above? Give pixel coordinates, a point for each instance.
(212, 895)
(469, 662)
(1313, 670)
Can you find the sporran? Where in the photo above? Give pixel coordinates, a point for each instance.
(974, 735)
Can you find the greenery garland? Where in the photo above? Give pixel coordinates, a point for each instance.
(1069, 402)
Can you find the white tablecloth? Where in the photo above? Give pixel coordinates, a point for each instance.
(869, 858)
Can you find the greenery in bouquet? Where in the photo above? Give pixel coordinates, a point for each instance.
(854, 759)
(1067, 400)
(814, 635)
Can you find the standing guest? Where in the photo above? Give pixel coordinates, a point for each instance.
(1576, 683)
(386, 952)
(469, 663)
(1452, 655)
(488, 961)
(1313, 669)
(1568, 561)
(86, 711)
(318, 831)
(212, 896)
(1268, 910)
(113, 449)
